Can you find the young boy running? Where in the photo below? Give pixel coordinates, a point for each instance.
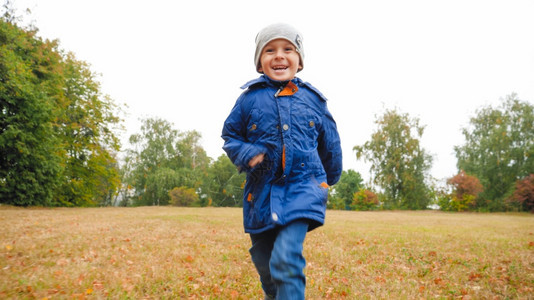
(282, 135)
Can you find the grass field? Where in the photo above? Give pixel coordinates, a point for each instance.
(202, 253)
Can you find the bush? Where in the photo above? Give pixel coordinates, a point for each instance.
(465, 190)
(183, 196)
(364, 200)
(523, 195)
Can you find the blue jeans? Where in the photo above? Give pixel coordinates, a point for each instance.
(277, 255)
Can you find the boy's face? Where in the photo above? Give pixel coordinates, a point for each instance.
(280, 60)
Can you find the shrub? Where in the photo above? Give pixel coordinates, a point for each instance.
(364, 200)
(183, 196)
(523, 194)
(465, 190)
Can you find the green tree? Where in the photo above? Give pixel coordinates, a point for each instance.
(190, 153)
(86, 124)
(342, 193)
(30, 154)
(56, 128)
(399, 165)
(153, 148)
(161, 159)
(499, 149)
(225, 184)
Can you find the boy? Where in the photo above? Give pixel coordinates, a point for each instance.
(281, 133)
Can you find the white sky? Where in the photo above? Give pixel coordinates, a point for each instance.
(184, 61)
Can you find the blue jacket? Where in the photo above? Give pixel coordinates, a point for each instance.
(292, 126)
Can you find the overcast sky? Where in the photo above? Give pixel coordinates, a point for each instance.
(184, 61)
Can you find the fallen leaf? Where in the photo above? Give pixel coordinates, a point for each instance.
(474, 276)
(380, 279)
(78, 296)
(98, 285)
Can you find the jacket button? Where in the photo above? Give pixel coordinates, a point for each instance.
(275, 217)
(285, 126)
(253, 127)
(312, 123)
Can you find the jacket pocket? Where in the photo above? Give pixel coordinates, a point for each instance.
(321, 187)
(310, 124)
(254, 125)
(256, 206)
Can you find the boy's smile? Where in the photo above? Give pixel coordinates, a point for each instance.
(280, 60)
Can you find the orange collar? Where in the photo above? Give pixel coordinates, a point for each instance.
(289, 90)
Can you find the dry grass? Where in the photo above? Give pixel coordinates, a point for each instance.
(202, 253)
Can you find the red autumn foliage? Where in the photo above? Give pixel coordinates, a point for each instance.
(465, 184)
(524, 193)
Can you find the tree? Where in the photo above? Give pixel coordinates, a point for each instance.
(190, 153)
(342, 193)
(57, 144)
(225, 184)
(499, 149)
(30, 156)
(163, 158)
(85, 123)
(158, 185)
(153, 148)
(398, 163)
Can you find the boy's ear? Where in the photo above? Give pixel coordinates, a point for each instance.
(260, 69)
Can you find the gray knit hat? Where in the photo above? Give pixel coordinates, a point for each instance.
(278, 31)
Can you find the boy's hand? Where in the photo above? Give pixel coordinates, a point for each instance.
(256, 160)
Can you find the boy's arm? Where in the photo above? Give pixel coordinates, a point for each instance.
(329, 148)
(235, 145)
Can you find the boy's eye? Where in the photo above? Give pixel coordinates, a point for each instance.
(269, 50)
(288, 49)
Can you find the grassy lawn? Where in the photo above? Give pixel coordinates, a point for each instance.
(202, 253)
